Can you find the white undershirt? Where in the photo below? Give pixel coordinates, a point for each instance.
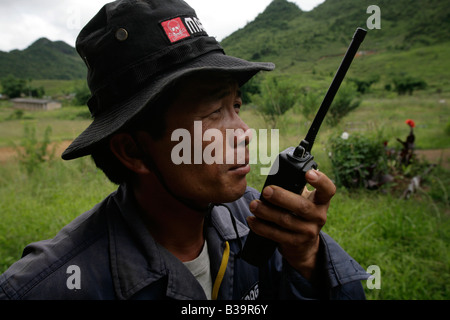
(201, 269)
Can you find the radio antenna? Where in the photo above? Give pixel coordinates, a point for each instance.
(307, 144)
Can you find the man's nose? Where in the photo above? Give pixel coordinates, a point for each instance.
(242, 134)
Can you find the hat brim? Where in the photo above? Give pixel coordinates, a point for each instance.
(108, 123)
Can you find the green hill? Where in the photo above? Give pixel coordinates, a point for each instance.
(307, 46)
(44, 59)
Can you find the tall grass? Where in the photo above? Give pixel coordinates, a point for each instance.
(408, 240)
(35, 207)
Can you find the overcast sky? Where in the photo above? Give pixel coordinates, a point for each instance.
(24, 21)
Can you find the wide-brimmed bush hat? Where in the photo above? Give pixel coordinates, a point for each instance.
(134, 49)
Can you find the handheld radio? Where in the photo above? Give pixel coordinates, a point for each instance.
(291, 165)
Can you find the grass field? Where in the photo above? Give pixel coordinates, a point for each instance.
(408, 240)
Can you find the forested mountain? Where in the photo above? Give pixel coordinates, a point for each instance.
(307, 47)
(44, 59)
(298, 42)
(285, 33)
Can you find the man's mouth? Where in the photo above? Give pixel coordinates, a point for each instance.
(242, 169)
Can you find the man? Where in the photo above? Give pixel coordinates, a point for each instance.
(175, 231)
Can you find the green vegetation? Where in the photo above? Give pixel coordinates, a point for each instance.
(35, 207)
(401, 73)
(33, 152)
(14, 87)
(356, 160)
(308, 46)
(408, 240)
(43, 59)
(274, 99)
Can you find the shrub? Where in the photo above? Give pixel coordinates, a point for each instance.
(345, 102)
(13, 87)
(82, 95)
(406, 84)
(363, 85)
(32, 153)
(249, 89)
(275, 99)
(310, 103)
(357, 161)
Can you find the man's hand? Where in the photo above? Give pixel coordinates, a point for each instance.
(295, 220)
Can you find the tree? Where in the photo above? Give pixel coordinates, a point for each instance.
(363, 85)
(275, 99)
(13, 87)
(345, 102)
(310, 103)
(82, 95)
(406, 84)
(252, 87)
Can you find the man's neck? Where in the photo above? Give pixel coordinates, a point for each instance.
(173, 224)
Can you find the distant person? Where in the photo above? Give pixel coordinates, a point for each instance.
(175, 231)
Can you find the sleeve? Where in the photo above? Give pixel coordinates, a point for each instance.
(339, 277)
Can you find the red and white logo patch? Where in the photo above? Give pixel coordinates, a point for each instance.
(175, 30)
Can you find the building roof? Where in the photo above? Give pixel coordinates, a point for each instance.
(28, 100)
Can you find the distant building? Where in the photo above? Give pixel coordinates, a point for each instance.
(36, 104)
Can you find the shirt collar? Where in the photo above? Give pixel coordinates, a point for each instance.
(137, 260)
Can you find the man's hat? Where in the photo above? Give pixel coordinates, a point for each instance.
(133, 50)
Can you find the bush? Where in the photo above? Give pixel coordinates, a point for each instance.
(14, 87)
(357, 161)
(32, 153)
(249, 89)
(406, 84)
(82, 95)
(363, 86)
(275, 99)
(310, 103)
(345, 102)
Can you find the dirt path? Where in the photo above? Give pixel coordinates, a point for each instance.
(440, 156)
(10, 154)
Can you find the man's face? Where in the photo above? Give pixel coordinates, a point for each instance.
(215, 103)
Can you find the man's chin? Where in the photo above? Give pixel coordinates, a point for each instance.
(233, 193)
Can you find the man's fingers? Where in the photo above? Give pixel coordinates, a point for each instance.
(294, 238)
(324, 187)
(288, 210)
(289, 202)
(276, 216)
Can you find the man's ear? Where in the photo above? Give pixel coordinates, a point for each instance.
(125, 149)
